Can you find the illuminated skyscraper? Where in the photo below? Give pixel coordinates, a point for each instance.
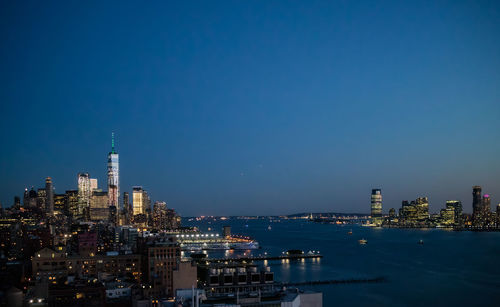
(457, 208)
(376, 207)
(84, 195)
(113, 175)
(138, 201)
(50, 196)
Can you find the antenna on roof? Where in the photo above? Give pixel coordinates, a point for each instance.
(112, 142)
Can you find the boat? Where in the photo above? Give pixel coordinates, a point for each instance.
(350, 232)
(362, 241)
(421, 242)
(269, 227)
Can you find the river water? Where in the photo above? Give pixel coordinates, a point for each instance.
(449, 269)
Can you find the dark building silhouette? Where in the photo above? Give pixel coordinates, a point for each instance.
(49, 190)
(476, 202)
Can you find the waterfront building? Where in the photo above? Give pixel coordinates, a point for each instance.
(477, 215)
(414, 213)
(113, 175)
(498, 215)
(235, 277)
(486, 203)
(99, 209)
(392, 213)
(457, 207)
(84, 194)
(447, 216)
(50, 196)
(376, 207)
(422, 205)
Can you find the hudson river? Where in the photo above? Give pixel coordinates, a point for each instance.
(449, 269)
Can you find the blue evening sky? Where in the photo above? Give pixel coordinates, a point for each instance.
(254, 107)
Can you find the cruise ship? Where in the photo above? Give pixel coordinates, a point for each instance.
(194, 240)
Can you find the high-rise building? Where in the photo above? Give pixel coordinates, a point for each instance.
(414, 213)
(30, 198)
(72, 203)
(137, 200)
(476, 203)
(447, 216)
(498, 215)
(26, 198)
(422, 205)
(164, 218)
(49, 189)
(60, 204)
(127, 213)
(376, 207)
(113, 175)
(486, 204)
(99, 209)
(140, 200)
(84, 194)
(93, 184)
(41, 198)
(457, 208)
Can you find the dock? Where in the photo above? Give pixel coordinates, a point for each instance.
(261, 258)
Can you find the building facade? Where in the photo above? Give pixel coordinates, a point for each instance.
(113, 175)
(99, 209)
(84, 195)
(376, 207)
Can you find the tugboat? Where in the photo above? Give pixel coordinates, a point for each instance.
(362, 241)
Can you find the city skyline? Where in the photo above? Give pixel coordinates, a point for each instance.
(109, 174)
(239, 108)
(250, 153)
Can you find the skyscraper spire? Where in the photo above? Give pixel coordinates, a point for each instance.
(112, 142)
(113, 175)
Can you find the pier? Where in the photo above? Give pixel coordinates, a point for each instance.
(261, 258)
(336, 281)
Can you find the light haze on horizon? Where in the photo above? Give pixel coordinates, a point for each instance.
(258, 107)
